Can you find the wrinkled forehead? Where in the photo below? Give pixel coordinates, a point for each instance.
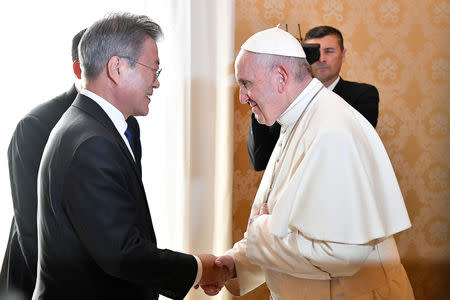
(244, 64)
(246, 59)
(238, 58)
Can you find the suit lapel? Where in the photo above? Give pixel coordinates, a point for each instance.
(90, 107)
(341, 90)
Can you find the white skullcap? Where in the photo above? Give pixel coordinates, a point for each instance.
(274, 41)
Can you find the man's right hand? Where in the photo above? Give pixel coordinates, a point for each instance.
(225, 262)
(214, 273)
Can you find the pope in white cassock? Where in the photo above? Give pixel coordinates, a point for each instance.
(328, 204)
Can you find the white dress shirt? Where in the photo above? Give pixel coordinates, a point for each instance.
(333, 85)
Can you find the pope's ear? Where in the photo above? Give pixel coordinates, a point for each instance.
(283, 77)
(113, 68)
(77, 69)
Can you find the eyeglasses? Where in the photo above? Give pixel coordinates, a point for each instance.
(157, 71)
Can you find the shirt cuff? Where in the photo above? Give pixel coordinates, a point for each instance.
(199, 271)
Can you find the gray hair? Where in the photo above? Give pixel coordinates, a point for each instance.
(297, 65)
(120, 34)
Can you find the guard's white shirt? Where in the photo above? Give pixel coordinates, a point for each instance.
(333, 85)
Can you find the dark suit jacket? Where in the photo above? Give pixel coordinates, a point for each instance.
(262, 139)
(96, 238)
(24, 156)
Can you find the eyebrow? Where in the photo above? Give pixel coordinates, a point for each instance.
(242, 81)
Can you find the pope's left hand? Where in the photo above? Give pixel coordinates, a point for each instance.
(264, 210)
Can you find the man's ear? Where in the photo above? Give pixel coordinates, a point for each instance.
(282, 78)
(76, 69)
(113, 68)
(343, 54)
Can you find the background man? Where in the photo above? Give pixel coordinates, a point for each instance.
(322, 220)
(24, 155)
(96, 238)
(363, 97)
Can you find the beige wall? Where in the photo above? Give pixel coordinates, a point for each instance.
(401, 47)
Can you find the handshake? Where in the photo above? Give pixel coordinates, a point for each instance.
(216, 272)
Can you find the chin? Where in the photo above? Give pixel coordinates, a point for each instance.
(267, 122)
(264, 122)
(144, 111)
(259, 119)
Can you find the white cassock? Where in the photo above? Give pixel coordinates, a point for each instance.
(334, 204)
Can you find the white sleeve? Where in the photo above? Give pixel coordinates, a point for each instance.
(298, 256)
(249, 276)
(199, 270)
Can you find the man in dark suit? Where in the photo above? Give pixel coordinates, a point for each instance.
(18, 273)
(363, 97)
(96, 238)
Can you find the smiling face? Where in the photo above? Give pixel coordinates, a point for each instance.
(327, 68)
(138, 82)
(257, 87)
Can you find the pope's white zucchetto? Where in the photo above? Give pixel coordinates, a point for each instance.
(274, 41)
